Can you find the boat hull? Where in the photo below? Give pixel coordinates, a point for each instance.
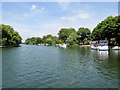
(103, 48)
(116, 48)
(63, 45)
(94, 48)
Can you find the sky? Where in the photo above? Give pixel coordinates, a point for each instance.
(36, 19)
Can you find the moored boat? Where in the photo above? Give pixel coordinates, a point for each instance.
(116, 48)
(63, 45)
(94, 45)
(102, 45)
(103, 48)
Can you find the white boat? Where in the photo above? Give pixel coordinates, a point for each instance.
(63, 45)
(101, 46)
(116, 48)
(94, 47)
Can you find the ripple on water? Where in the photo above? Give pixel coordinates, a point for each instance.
(55, 67)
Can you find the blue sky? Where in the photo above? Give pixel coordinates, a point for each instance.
(35, 19)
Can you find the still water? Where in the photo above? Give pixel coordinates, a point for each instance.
(31, 66)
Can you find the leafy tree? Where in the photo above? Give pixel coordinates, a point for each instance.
(65, 32)
(48, 39)
(107, 29)
(34, 41)
(117, 29)
(72, 39)
(51, 40)
(9, 36)
(84, 34)
(57, 40)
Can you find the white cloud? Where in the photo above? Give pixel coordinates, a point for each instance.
(69, 18)
(34, 12)
(34, 7)
(84, 15)
(76, 17)
(64, 5)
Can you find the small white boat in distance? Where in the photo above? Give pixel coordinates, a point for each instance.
(63, 45)
(116, 48)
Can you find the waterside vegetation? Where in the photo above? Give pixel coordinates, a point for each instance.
(8, 36)
(108, 29)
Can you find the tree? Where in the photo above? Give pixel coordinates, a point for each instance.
(65, 32)
(72, 39)
(117, 29)
(34, 40)
(9, 36)
(48, 39)
(51, 40)
(84, 34)
(107, 29)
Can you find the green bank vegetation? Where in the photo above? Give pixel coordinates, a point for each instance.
(9, 37)
(108, 29)
(65, 35)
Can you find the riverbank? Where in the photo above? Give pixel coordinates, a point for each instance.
(85, 45)
(2, 46)
(9, 46)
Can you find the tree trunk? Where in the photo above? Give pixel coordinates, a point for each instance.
(108, 41)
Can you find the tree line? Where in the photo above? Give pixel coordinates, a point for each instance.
(65, 35)
(108, 29)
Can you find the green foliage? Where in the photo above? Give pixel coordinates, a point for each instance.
(107, 29)
(34, 40)
(117, 31)
(48, 39)
(65, 32)
(84, 34)
(51, 40)
(72, 39)
(9, 36)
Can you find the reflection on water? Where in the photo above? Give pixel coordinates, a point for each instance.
(117, 52)
(103, 55)
(42, 66)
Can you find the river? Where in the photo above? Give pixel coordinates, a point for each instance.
(31, 66)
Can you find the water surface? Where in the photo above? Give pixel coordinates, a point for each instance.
(31, 66)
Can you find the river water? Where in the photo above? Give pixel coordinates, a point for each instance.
(32, 66)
